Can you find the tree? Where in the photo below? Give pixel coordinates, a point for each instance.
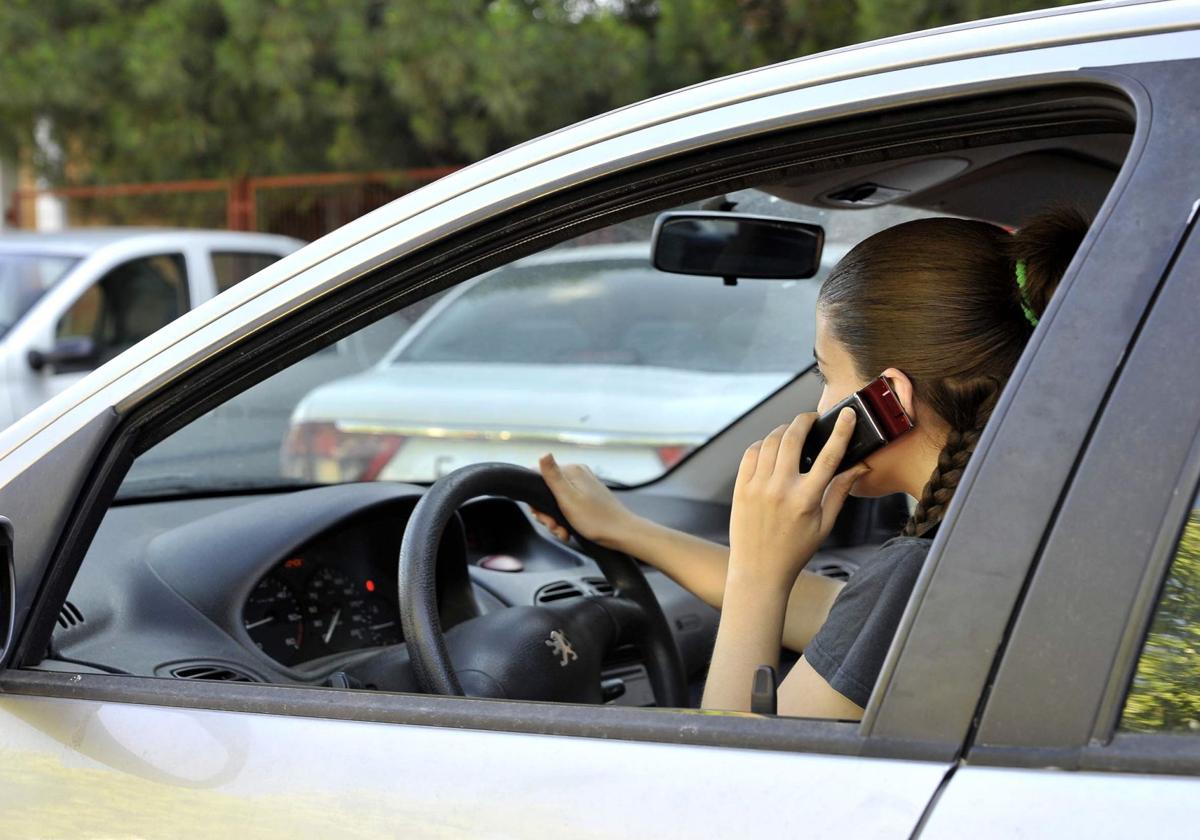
(1165, 694)
(136, 90)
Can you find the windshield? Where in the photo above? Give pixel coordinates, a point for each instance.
(24, 278)
(594, 312)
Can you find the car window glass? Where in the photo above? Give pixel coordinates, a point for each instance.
(1165, 693)
(583, 349)
(127, 304)
(232, 267)
(24, 278)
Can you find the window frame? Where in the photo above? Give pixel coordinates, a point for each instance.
(1140, 476)
(439, 266)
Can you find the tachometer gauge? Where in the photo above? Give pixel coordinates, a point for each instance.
(274, 621)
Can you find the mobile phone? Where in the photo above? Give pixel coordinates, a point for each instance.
(880, 420)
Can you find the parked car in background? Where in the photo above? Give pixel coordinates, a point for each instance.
(585, 350)
(71, 301)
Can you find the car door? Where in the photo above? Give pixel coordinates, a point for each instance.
(1091, 726)
(225, 755)
(122, 306)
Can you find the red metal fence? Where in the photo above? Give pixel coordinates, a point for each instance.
(305, 206)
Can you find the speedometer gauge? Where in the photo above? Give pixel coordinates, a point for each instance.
(334, 606)
(273, 619)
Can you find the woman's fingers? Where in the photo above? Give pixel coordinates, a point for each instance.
(769, 452)
(749, 463)
(837, 492)
(551, 524)
(792, 444)
(834, 450)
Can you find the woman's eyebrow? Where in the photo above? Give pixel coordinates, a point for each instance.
(816, 355)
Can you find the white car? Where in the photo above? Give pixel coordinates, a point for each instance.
(72, 300)
(586, 351)
(258, 656)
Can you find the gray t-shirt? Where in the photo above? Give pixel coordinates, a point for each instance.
(849, 649)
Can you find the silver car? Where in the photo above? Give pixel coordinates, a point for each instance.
(585, 350)
(190, 654)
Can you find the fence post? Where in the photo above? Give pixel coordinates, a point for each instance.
(241, 211)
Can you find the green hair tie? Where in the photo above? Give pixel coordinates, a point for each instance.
(1022, 281)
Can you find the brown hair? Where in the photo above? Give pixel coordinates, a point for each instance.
(939, 300)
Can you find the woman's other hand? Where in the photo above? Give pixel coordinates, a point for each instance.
(591, 508)
(780, 516)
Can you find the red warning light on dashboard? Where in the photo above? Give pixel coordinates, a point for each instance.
(370, 586)
(294, 563)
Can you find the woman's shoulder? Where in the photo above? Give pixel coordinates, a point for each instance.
(897, 555)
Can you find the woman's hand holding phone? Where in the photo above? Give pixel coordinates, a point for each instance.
(781, 516)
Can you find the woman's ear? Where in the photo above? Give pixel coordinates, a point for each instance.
(903, 388)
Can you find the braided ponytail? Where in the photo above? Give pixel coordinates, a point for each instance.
(952, 460)
(939, 299)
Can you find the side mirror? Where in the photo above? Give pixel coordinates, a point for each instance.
(8, 590)
(77, 352)
(732, 246)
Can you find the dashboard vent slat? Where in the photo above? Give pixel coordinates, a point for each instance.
(557, 591)
(210, 671)
(600, 586)
(69, 616)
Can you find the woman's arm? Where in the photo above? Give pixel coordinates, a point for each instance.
(696, 564)
(779, 518)
(702, 568)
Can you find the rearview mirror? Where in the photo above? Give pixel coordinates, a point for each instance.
(733, 246)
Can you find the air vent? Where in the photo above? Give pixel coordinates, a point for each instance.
(557, 591)
(69, 616)
(210, 671)
(600, 586)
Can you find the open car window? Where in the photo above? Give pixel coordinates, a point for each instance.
(584, 349)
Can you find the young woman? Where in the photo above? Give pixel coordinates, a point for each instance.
(940, 307)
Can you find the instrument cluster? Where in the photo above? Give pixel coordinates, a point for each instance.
(326, 598)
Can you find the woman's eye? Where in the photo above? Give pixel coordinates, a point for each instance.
(820, 376)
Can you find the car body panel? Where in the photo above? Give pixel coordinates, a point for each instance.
(992, 802)
(461, 413)
(158, 771)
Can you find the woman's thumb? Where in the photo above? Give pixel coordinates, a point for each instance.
(839, 489)
(553, 475)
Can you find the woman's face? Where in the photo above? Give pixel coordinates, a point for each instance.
(837, 370)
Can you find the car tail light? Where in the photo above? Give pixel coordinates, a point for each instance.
(325, 453)
(672, 455)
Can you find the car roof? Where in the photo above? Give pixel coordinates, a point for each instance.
(84, 241)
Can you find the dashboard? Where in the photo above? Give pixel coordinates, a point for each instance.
(300, 587)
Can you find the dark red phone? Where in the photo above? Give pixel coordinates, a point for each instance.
(881, 419)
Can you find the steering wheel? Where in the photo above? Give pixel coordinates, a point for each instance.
(548, 652)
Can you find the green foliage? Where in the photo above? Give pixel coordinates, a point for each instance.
(1166, 688)
(159, 89)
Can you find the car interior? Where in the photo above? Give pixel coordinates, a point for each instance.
(293, 581)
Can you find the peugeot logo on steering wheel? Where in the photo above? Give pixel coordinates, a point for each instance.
(559, 646)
